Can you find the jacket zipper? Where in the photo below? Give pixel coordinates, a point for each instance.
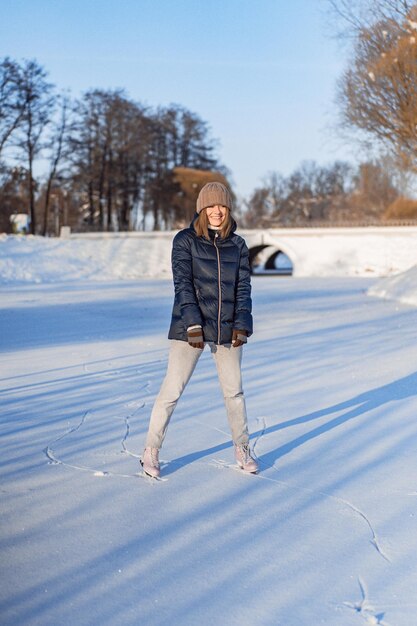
(220, 288)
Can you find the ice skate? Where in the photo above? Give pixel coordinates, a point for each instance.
(244, 459)
(150, 462)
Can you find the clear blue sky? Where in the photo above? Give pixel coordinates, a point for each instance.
(261, 72)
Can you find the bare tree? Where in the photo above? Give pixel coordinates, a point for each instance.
(38, 101)
(267, 203)
(88, 151)
(313, 193)
(377, 94)
(11, 102)
(56, 146)
(374, 190)
(110, 146)
(13, 183)
(117, 159)
(350, 17)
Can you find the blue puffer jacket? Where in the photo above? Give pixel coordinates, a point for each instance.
(212, 285)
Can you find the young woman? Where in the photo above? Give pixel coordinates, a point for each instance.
(210, 266)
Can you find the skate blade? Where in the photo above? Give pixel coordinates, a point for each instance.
(247, 471)
(145, 473)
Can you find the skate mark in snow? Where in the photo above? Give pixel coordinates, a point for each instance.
(127, 433)
(102, 374)
(365, 609)
(374, 540)
(50, 455)
(53, 459)
(263, 429)
(125, 450)
(136, 403)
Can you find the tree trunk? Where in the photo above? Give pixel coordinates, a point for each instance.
(155, 216)
(109, 206)
(32, 196)
(90, 203)
(46, 207)
(101, 186)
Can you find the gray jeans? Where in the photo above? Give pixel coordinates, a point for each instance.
(181, 364)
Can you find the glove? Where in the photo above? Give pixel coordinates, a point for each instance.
(195, 338)
(239, 337)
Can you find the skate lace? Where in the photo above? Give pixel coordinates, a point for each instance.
(245, 453)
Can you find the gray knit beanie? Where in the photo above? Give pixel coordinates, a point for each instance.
(214, 193)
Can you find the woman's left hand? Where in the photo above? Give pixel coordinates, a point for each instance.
(239, 337)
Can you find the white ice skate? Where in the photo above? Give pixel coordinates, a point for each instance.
(244, 459)
(150, 462)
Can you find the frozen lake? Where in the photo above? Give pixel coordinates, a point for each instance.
(325, 534)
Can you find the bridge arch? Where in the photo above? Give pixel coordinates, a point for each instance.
(267, 258)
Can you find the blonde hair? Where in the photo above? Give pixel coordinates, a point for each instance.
(201, 224)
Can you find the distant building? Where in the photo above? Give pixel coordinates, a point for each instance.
(20, 223)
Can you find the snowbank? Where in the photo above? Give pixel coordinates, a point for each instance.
(41, 260)
(402, 287)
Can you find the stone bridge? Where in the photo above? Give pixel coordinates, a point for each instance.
(332, 251)
(342, 251)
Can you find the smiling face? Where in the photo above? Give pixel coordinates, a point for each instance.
(216, 214)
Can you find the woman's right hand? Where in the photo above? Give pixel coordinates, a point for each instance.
(195, 338)
(239, 338)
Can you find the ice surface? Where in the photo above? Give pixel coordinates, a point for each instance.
(325, 534)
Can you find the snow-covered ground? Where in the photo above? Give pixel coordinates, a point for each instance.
(42, 260)
(325, 534)
(401, 287)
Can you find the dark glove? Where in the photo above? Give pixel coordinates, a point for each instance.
(195, 338)
(239, 337)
